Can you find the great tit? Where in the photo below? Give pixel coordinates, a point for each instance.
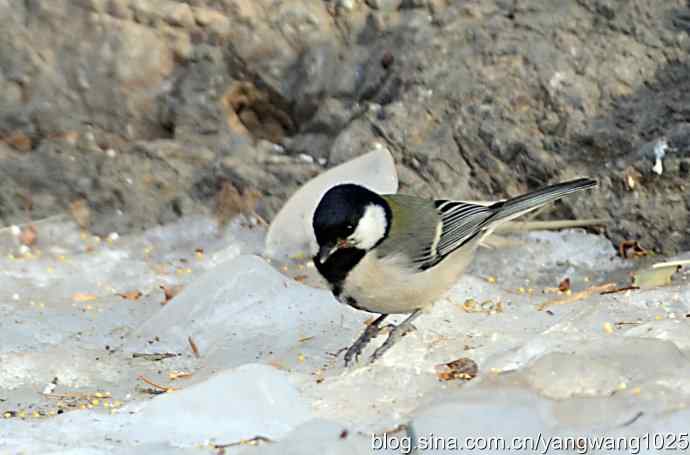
(397, 254)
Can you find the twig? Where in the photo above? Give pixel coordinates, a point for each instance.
(575, 296)
(633, 419)
(514, 226)
(623, 289)
(154, 357)
(244, 442)
(141, 377)
(622, 323)
(195, 348)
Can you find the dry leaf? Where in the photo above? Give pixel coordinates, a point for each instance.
(28, 235)
(469, 305)
(173, 375)
(632, 177)
(131, 295)
(463, 368)
(81, 212)
(564, 285)
(170, 292)
(18, 140)
(625, 247)
(83, 297)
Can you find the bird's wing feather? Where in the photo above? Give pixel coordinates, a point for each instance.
(460, 223)
(435, 230)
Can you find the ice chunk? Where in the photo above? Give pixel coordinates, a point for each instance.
(562, 375)
(674, 330)
(604, 366)
(234, 404)
(290, 234)
(244, 310)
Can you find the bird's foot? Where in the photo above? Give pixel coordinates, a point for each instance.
(371, 332)
(395, 335)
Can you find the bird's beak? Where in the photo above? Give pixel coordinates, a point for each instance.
(327, 250)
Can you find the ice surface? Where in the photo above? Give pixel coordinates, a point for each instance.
(320, 437)
(244, 310)
(251, 399)
(291, 234)
(265, 335)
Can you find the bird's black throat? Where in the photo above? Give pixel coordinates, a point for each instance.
(336, 268)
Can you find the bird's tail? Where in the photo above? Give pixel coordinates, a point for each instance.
(513, 208)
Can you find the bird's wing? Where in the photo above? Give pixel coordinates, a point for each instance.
(460, 222)
(426, 231)
(433, 230)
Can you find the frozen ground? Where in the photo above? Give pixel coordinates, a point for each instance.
(614, 364)
(246, 349)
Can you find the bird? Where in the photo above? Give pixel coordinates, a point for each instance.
(392, 254)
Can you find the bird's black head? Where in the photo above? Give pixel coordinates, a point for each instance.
(349, 217)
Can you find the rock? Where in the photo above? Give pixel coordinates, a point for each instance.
(206, 17)
(179, 14)
(385, 5)
(470, 98)
(120, 9)
(291, 234)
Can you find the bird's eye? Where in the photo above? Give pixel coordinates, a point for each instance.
(349, 227)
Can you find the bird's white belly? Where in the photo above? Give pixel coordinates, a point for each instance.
(386, 286)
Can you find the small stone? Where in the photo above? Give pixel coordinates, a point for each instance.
(384, 5)
(18, 140)
(205, 17)
(182, 46)
(179, 14)
(345, 5)
(120, 9)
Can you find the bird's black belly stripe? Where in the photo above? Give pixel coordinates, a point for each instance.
(336, 269)
(353, 303)
(338, 265)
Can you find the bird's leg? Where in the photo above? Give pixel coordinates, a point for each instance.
(369, 333)
(395, 335)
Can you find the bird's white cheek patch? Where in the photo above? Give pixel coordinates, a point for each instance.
(371, 227)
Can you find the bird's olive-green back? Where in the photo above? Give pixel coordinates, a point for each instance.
(413, 228)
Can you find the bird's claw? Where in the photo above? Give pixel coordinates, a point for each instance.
(394, 336)
(371, 332)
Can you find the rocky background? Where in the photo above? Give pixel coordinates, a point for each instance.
(130, 113)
